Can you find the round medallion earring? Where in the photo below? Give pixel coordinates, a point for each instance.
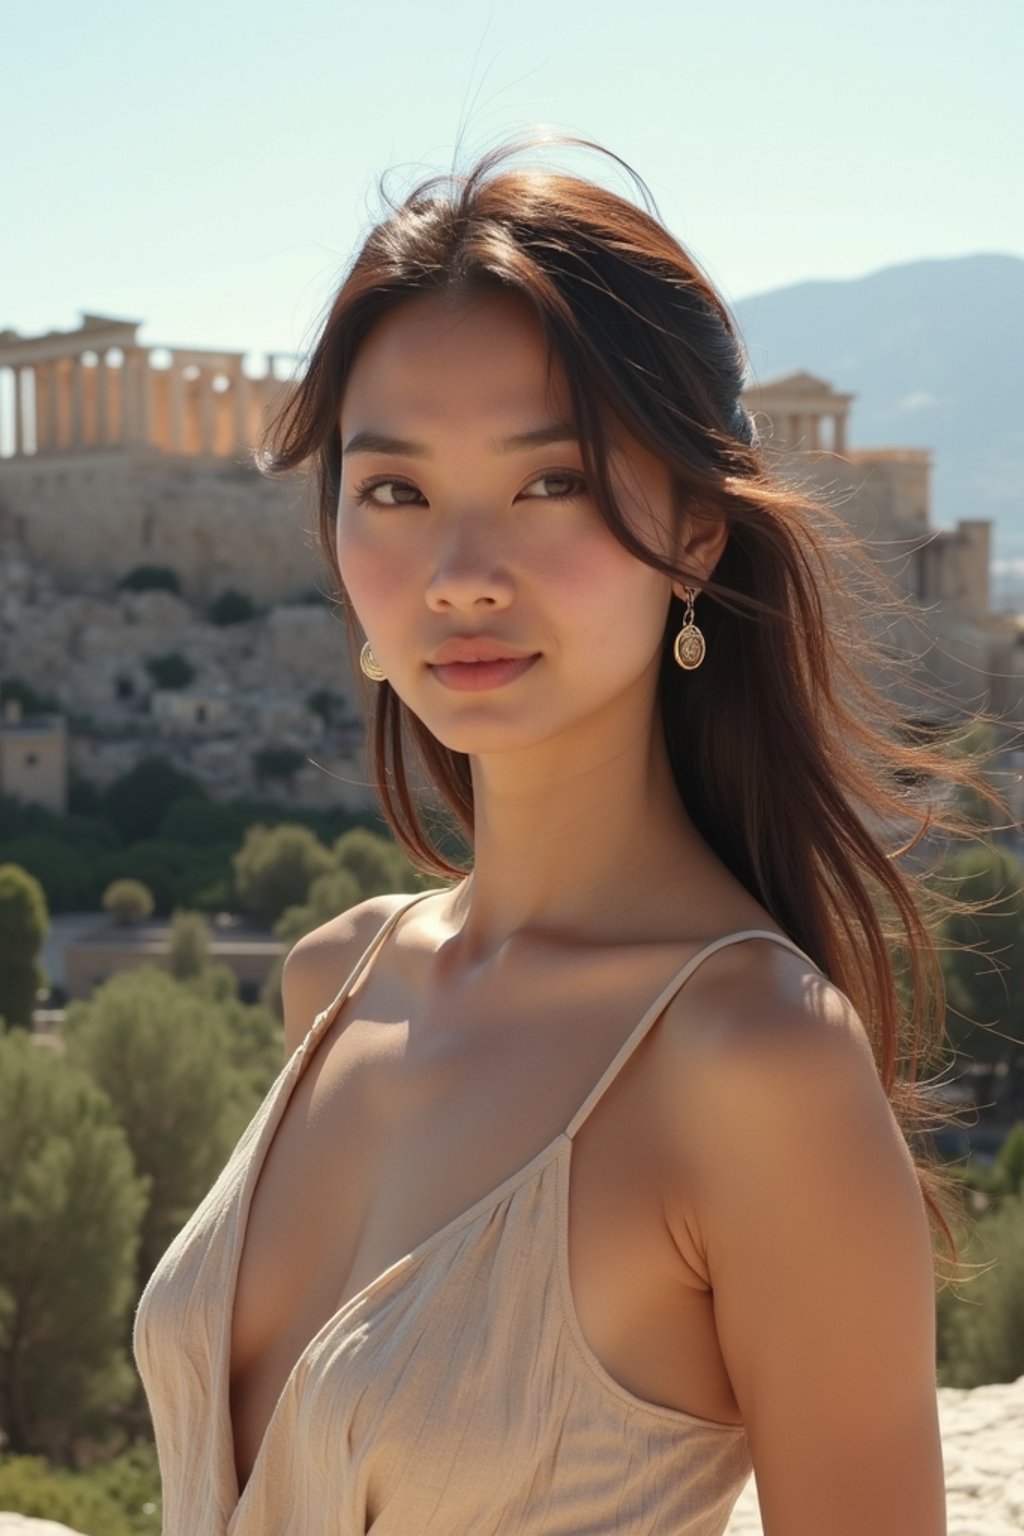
(369, 665)
(689, 649)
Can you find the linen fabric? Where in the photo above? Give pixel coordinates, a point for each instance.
(454, 1395)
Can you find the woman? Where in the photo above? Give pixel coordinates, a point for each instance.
(589, 1191)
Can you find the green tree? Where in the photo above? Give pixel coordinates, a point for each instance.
(281, 763)
(65, 874)
(120, 1497)
(162, 1054)
(71, 1204)
(981, 1332)
(1008, 1169)
(24, 924)
(128, 900)
(137, 802)
(189, 944)
(985, 987)
(331, 893)
(978, 740)
(171, 670)
(166, 868)
(147, 578)
(30, 1486)
(201, 823)
(275, 867)
(231, 607)
(256, 1043)
(32, 703)
(377, 864)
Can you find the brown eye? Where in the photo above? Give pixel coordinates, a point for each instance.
(402, 493)
(565, 483)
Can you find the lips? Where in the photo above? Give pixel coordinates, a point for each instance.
(462, 649)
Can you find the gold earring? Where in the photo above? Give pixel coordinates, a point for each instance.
(369, 665)
(689, 649)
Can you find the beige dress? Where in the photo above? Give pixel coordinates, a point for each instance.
(454, 1395)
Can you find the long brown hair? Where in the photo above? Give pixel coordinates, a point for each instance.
(789, 752)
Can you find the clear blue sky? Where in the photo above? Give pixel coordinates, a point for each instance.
(206, 166)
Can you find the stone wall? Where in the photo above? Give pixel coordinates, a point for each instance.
(91, 516)
(252, 687)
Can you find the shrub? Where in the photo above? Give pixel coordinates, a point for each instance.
(170, 670)
(189, 944)
(275, 868)
(128, 900)
(29, 1486)
(24, 923)
(147, 578)
(32, 703)
(981, 1328)
(231, 607)
(161, 1052)
(71, 1204)
(277, 762)
(137, 802)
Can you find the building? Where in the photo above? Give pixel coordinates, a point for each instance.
(124, 454)
(34, 758)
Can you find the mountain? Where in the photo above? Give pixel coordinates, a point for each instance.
(933, 351)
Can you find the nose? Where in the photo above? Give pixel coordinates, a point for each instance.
(469, 576)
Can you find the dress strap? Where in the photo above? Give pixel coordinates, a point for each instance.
(658, 1007)
(369, 953)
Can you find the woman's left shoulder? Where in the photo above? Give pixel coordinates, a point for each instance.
(763, 1002)
(786, 1171)
(762, 1059)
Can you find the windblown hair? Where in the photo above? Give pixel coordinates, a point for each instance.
(790, 752)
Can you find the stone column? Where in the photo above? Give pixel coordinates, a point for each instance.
(53, 406)
(130, 398)
(40, 398)
(102, 401)
(176, 397)
(77, 403)
(19, 411)
(41, 383)
(839, 431)
(814, 424)
(240, 391)
(144, 403)
(207, 412)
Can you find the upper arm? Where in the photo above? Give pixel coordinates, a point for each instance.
(319, 964)
(816, 1240)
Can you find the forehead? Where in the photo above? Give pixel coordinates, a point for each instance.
(438, 360)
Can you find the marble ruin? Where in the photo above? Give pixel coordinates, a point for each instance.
(114, 454)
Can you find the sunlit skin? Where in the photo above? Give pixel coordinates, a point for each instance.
(579, 828)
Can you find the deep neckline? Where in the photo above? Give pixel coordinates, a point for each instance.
(397, 1269)
(562, 1141)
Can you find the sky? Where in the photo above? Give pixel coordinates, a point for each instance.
(208, 167)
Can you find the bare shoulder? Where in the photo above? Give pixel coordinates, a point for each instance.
(317, 966)
(787, 1172)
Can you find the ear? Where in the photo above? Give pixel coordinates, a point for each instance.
(700, 549)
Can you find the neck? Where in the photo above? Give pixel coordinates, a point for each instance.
(586, 840)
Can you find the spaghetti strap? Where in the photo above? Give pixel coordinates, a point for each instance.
(328, 1013)
(658, 1007)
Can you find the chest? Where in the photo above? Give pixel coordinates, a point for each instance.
(394, 1130)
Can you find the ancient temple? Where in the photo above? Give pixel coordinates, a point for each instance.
(97, 387)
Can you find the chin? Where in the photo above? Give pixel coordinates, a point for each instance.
(477, 737)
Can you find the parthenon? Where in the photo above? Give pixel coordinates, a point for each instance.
(97, 387)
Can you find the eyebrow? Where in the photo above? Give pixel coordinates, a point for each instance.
(537, 437)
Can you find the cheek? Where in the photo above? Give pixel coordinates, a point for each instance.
(372, 571)
(605, 594)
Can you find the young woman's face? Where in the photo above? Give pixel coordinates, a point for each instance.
(464, 517)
